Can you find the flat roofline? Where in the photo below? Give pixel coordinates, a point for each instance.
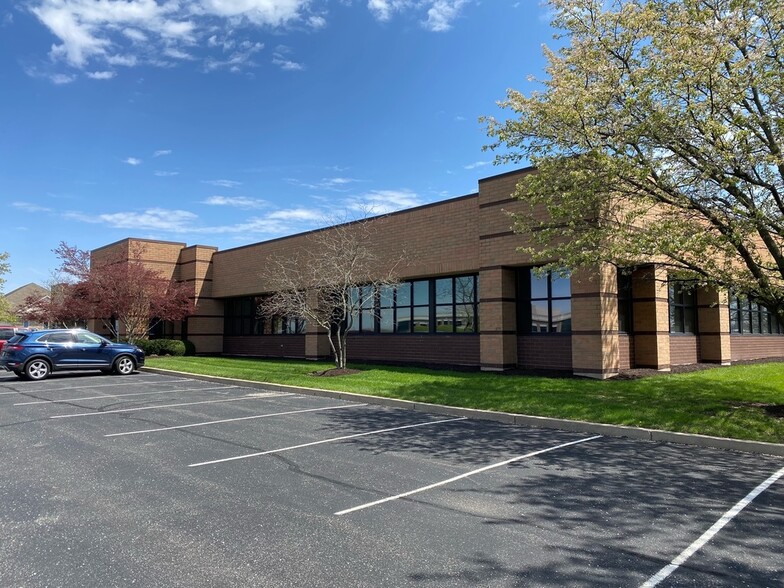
(313, 231)
(128, 239)
(522, 171)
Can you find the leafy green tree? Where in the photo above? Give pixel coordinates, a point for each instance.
(6, 314)
(657, 135)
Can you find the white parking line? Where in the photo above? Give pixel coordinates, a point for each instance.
(122, 395)
(708, 535)
(332, 440)
(247, 418)
(112, 384)
(248, 397)
(466, 475)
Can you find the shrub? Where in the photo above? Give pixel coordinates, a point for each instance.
(190, 348)
(162, 347)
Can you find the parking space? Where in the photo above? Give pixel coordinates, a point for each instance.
(156, 480)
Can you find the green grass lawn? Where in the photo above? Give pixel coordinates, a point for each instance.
(739, 402)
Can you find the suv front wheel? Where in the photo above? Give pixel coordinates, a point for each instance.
(37, 369)
(124, 365)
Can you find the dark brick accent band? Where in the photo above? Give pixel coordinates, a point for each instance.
(496, 235)
(509, 200)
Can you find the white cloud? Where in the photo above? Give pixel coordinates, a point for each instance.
(161, 152)
(384, 201)
(280, 58)
(440, 13)
(338, 184)
(317, 22)
(30, 207)
(477, 164)
(236, 201)
(93, 34)
(238, 60)
(159, 219)
(297, 214)
(166, 174)
(132, 161)
(222, 183)
(274, 13)
(101, 75)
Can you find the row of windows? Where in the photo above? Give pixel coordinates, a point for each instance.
(752, 318)
(243, 316)
(449, 305)
(438, 305)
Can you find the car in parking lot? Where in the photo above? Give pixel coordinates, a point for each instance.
(6, 332)
(35, 355)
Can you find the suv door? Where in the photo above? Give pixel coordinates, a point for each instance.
(61, 349)
(93, 350)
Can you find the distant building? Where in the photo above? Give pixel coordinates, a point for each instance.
(17, 299)
(468, 297)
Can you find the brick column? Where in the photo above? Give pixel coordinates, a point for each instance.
(651, 310)
(713, 322)
(595, 352)
(497, 319)
(316, 341)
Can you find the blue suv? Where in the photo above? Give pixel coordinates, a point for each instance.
(37, 354)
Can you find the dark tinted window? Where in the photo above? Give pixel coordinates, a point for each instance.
(56, 338)
(6, 333)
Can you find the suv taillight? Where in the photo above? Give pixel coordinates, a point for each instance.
(13, 347)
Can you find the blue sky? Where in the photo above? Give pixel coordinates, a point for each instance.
(228, 122)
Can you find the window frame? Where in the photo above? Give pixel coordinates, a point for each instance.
(525, 302)
(678, 307)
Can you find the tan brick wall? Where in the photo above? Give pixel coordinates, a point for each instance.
(595, 347)
(747, 347)
(684, 349)
(651, 318)
(713, 320)
(436, 240)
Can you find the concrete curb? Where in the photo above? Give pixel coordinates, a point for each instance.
(509, 418)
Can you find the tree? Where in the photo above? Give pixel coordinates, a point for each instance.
(67, 305)
(6, 313)
(330, 281)
(658, 136)
(121, 291)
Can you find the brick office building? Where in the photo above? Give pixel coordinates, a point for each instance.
(468, 298)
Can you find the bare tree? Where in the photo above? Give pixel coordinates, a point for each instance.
(338, 275)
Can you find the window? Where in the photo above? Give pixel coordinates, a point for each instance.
(683, 307)
(243, 317)
(437, 305)
(625, 321)
(544, 302)
(748, 317)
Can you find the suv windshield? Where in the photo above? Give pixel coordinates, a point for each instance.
(6, 333)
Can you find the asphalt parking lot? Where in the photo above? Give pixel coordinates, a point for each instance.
(155, 480)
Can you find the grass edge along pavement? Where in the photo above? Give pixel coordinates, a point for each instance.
(744, 402)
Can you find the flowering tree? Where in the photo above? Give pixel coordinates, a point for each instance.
(658, 135)
(121, 291)
(6, 315)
